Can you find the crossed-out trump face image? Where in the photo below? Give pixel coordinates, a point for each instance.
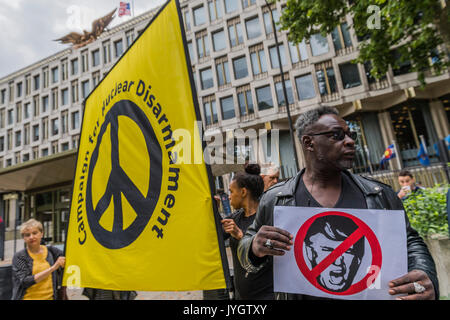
(323, 237)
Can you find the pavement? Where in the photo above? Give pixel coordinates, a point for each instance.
(75, 294)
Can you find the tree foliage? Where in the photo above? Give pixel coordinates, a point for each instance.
(414, 27)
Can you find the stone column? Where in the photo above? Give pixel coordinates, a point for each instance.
(439, 119)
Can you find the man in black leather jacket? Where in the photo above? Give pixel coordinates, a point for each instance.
(329, 149)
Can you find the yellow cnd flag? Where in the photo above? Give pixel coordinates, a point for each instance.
(140, 219)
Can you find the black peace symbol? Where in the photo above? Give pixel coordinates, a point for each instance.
(119, 182)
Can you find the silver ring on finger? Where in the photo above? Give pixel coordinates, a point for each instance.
(418, 288)
(268, 244)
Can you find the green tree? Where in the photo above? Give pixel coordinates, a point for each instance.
(414, 27)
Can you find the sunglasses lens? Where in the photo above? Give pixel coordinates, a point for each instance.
(353, 135)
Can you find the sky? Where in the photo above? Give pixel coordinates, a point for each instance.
(28, 27)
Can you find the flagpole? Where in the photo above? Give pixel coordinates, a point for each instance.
(132, 3)
(397, 155)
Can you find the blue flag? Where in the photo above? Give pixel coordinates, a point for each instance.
(423, 156)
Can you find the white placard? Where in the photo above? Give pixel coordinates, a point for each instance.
(341, 253)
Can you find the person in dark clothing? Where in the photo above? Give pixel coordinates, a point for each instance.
(329, 149)
(245, 190)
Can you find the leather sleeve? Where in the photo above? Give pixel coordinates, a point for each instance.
(419, 257)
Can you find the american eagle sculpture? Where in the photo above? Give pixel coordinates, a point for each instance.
(98, 26)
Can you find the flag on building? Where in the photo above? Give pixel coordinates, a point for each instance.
(423, 156)
(124, 9)
(388, 155)
(140, 219)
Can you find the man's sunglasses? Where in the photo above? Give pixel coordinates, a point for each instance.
(338, 134)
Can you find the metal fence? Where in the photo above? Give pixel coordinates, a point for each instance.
(425, 176)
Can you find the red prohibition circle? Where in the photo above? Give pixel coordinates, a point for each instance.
(363, 230)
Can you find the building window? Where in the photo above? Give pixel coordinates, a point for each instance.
(3, 96)
(84, 61)
(191, 51)
(55, 75)
(223, 73)
(2, 144)
(264, 98)
(118, 48)
(10, 116)
(280, 93)
(258, 59)
(235, 32)
(248, 3)
(206, 78)
(245, 100)
(36, 82)
(74, 89)
(55, 126)
(274, 56)
(9, 142)
(341, 37)
(215, 10)
(305, 87)
(199, 16)
(44, 128)
(55, 99)
(27, 85)
(202, 44)
(64, 122)
(18, 112)
(85, 89)
(75, 120)
(44, 104)
(74, 66)
(54, 147)
(240, 67)
(227, 107)
(2, 118)
(26, 110)
(129, 37)
(65, 146)
(219, 41)
(64, 69)
(45, 80)
(298, 52)
(19, 89)
(253, 28)
(231, 5)
(18, 136)
(64, 96)
(11, 91)
(35, 132)
(95, 78)
(350, 75)
(187, 20)
(319, 45)
(36, 106)
(26, 134)
(326, 78)
(210, 111)
(44, 152)
(95, 57)
(268, 19)
(402, 67)
(106, 52)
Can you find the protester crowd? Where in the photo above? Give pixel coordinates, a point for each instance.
(329, 149)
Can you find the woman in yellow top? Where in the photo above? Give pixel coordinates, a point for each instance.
(35, 267)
